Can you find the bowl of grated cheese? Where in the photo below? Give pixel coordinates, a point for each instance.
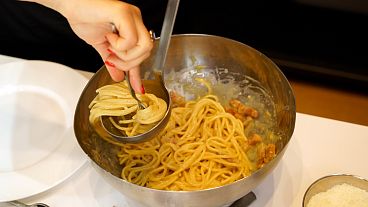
(338, 190)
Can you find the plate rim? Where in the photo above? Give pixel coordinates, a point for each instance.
(67, 145)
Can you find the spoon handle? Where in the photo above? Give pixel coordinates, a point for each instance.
(165, 36)
(132, 92)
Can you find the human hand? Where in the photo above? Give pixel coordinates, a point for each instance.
(92, 21)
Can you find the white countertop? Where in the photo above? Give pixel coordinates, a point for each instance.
(318, 147)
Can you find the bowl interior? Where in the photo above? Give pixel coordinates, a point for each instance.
(222, 59)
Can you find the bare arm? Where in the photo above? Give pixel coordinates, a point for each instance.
(91, 20)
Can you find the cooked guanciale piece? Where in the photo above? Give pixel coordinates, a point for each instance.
(242, 109)
(176, 99)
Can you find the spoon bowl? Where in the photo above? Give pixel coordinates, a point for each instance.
(106, 129)
(110, 133)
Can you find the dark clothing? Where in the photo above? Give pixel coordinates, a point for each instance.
(32, 31)
(286, 31)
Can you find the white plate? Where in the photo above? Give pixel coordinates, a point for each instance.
(38, 149)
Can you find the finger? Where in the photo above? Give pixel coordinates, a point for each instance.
(127, 65)
(119, 42)
(136, 52)
(127, 34)
(102, 49)
(116, 74)
(135, 80)
(144, 45)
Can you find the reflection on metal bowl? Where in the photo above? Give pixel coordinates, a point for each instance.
(220, 59)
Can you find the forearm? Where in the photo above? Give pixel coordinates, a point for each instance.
(91, 21)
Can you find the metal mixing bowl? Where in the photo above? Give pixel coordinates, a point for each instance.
(325, 183)
(229, 60)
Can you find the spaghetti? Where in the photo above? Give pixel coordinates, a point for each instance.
(115, 101)
(202, 147)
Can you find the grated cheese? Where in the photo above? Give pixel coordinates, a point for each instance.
(343, 195)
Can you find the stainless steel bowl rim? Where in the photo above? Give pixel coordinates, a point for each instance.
(330, 176)
(201, 42)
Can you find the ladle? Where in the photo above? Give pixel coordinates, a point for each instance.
(107, 130)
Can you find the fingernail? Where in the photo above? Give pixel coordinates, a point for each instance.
(142, 89)
(110, 51)
(110, 64)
